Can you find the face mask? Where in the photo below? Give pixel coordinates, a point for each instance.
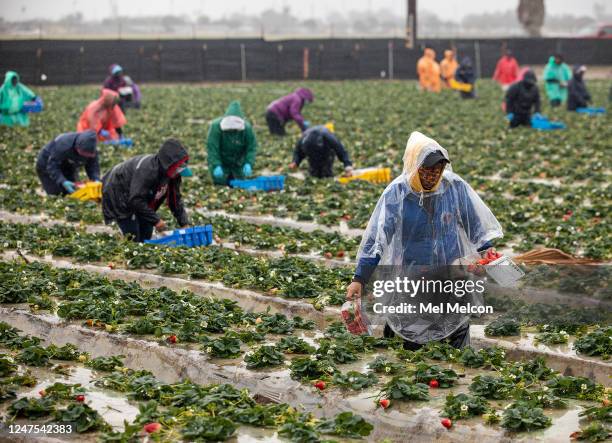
(184, 172)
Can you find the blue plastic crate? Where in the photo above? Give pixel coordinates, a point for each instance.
(543, 124)
(127, 142)
(33, 106)
(263, 183)
(190, 237)
(591, 111)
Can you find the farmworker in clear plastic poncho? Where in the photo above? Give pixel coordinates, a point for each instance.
(59, 162)
(578, 94)
(465, 74)
(429, 71)
(448, 67)
(287, 108)
(13, 94)
(320, 145)
(129, 93)
(103, 116)
(231, 146)
(522, 99)
(556, 76)
(506, 70)
(426, 219)
(134, 190)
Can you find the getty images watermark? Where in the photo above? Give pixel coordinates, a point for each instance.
(449, 293)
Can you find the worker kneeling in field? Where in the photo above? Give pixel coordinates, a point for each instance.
(426, 219)
(134, 190)
(320, 145)
(231, 146)
(522, 99)
(287, 108)
(103, 116)
(59, 161)
(578, 94)
(13, 94)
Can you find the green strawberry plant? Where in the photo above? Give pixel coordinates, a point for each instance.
(354, 380)
(464, 406)
(522, 416)
(264, 356)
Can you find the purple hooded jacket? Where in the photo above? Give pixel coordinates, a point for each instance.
(290, 106)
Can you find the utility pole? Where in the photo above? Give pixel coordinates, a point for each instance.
(411, 23)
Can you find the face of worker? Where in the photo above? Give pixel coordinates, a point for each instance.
(14, 81)
(430, 176)
(558, 60)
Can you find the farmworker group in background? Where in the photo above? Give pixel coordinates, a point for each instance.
(103, 116)
(465, 75)
(522, 100)
(129, 92)
(428, 71)
(506, 70)
(13, 95)
(231, 146)
(448, 66)
(58, 162)
(287, 108)
(319, 145)
(577, 94)
(556, 77)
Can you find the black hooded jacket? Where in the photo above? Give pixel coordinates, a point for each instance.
(523, 96)
(60, 157)
(320, 146)
(138, 186)
(578, 95)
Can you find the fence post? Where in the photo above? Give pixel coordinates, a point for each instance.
(477, 56)
(243, 67)
(306, 63)
(390, 61)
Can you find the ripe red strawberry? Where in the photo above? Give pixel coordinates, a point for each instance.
(384, 403)
(111, 265)
(328, 255)
(171, 339)
(80, 398)
(340, 254)
(150, 428)
(446, 423)
(42, 392)
(320, 385)
(433, 384)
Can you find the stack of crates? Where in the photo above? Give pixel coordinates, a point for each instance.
(190, 237)
(543, 124)
(373, 175)
(263, 183)
(591, 111)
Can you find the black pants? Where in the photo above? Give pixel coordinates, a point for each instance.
(49, 185)
(139, 230)
(458, 339)
(520, 120)
(275, 126)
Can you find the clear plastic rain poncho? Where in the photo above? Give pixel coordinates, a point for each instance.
(418, 233)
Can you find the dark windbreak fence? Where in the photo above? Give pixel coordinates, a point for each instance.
(64, 62)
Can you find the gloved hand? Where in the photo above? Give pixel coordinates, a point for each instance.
(68, 186)
(306, 124)
(510, 116)
(348, 171)
(104, 133)
(247, 170)
(218, 172)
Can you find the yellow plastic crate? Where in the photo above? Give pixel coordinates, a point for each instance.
(89, 191)
(465, 87)
(373, 175)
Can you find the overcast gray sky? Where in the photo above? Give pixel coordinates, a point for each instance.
(91, 9)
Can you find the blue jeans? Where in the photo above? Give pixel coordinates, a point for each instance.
(139, 230)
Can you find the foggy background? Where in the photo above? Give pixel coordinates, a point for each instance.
(283, 19)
